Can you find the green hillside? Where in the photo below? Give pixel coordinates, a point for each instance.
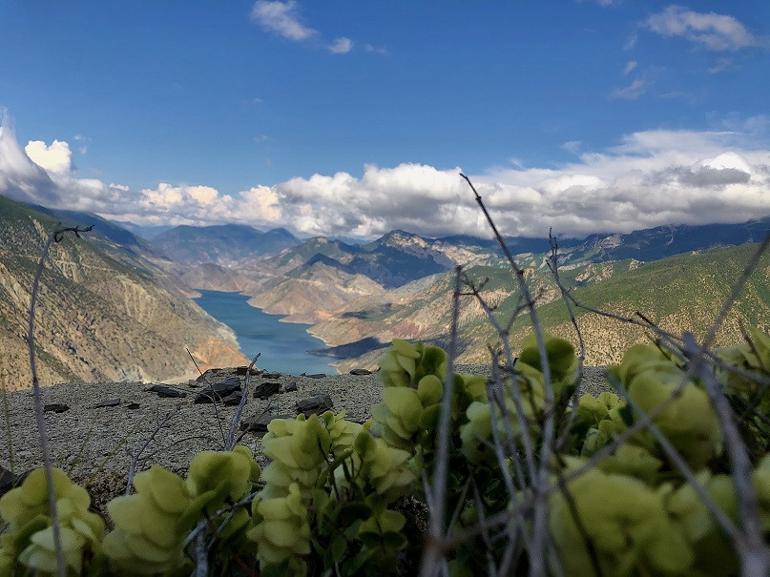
(681, 293)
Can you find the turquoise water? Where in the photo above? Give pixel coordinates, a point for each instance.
(284, 346)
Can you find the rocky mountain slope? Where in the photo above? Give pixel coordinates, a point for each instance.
(680, 293)
(105, 311)
(220, 244)
(314, 292)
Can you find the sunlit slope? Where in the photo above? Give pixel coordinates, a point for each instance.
(104, 313)
(681, 293)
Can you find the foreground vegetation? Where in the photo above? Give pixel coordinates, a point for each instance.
(636, 483)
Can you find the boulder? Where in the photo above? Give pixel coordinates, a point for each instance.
(315, 376)
(166, 392)
(218, 391)
(259, 423)
(233, 399)
(106, 404)
(242, 371)
(210, 375)
(7, 480)
(55, 408)
(360, 372)
(289, 387)
(266, 389)
(133, 406)
(271, 376)
(315, 405)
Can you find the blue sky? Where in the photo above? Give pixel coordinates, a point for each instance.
(235, 95)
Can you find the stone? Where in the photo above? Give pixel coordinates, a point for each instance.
(166, 392)
(218, 391)
(106, 404)
(360, 372)
(133, 406)
(209, 374)
(233, 399)
(7, 480)
(315, 405)
(242, 371)
(259, 423)
(315, 376)
(271, 376)
(289, 387)
(55, 408)
(266, 389)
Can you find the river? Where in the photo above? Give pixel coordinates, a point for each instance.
(284, 346)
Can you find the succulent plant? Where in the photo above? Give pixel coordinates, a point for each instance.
(29, 537)
(684, 413)
(626, 523)
(281, 531)
(299, 449)
(151, 525)
(561, 360)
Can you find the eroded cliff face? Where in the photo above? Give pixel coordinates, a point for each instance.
(104, 313)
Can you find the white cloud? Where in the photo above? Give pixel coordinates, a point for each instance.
(56, 157)
(718, 32)
(376, 49)
(341, 45)
(281, 18)
(648, 178)
(572, 146)
(630, 67)
(632, 91)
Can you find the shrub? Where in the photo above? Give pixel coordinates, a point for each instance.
(341, 498)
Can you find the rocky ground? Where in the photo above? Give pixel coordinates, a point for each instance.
(96, 431)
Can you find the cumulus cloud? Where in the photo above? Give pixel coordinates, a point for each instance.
(55, 157)
(717, 32)
(341, 45)
(648, 178)
(281, 18)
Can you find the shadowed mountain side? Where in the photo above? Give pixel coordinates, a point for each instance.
(221, 244)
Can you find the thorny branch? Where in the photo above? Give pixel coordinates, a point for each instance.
(55, 237)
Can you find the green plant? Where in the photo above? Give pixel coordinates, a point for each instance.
(339, 498)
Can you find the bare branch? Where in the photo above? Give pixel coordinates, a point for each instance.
(55, 237)
(433, 556)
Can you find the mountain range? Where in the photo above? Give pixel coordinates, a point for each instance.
(356, 295)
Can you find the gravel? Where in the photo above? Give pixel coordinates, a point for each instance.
(95, 444)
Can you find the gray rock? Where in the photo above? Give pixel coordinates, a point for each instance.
(166, 392)
(315, 376)
(266, 389)
(218, 391)
(56, 408)
(7, 480)
(360, 372)
(315, 405)
(210, 375)
(259, 423)
(289, 387)
(106, 404)
(242, 371)
(133, 406)
(233, 399)
(271, 376)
